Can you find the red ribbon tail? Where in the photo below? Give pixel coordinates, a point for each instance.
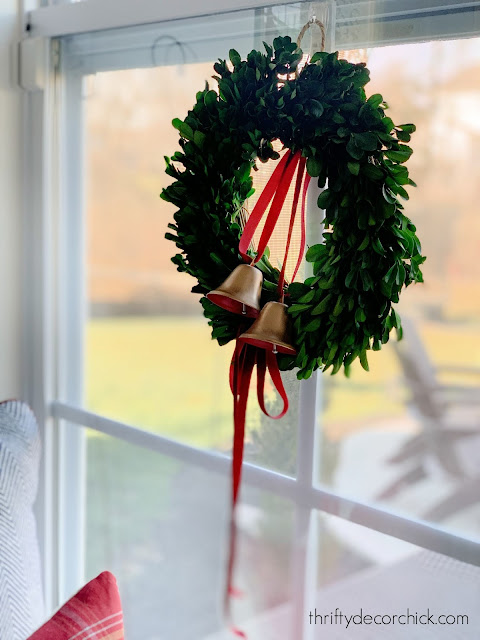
(243, 363)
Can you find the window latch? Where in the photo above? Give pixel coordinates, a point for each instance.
(33, 63)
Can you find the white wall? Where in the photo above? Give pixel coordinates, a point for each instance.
(10, 207)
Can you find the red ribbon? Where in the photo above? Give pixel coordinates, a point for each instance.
(298, 185)
(245, 356)
(276, 188)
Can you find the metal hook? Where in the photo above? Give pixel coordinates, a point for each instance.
(183, 49)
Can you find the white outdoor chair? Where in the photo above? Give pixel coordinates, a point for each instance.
(449, 436)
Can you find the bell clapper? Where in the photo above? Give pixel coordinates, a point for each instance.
(275, 349)
(244, 310)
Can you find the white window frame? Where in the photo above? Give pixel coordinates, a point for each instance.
(48, 333)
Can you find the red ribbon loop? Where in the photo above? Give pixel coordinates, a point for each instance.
(296, 195)
(298, 187)
(268, 359)
(241, 370)
(301, 250)
(275, 192)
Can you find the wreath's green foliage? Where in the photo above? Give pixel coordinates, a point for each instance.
(370, 250)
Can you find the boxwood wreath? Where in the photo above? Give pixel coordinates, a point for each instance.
(370, 248)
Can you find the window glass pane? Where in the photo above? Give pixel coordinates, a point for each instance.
(361, 573)
(407, 434)
(161, 527)
(146, 523)
(150, 360)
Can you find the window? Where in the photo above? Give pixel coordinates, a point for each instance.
(362, 474)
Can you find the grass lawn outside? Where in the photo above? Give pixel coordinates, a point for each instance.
(162, 374)
(165, 374)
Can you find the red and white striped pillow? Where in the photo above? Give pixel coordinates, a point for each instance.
(94, 612)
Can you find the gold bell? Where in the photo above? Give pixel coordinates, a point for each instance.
(240, 293)
(271, 330)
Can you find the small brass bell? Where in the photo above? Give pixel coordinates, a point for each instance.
(240, 292)
(271, 330)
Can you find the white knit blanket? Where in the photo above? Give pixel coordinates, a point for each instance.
(21, 599)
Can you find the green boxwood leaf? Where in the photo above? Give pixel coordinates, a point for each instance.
(367, 140)
(235, 58)
(372, 172)
(199, 138)
(314, 167)
(351, 277)
(332, 352)
(319, 56)
(296, 289)
(210, 98)
(354, 168)
(313, 325)
(409, 128)
(388, 195)
(298, 308)
(403, 136)
(308, 297)
(388, 124)
(360, 315)
(315, 252)
(316, 108)
(243, 172)
(322, 305)
(185, 130)
(375, 101)
(324, 199)
(378, 246)
(363, 360)
(364, 243)
(399, 156)
(339, 306)
(353, 150)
